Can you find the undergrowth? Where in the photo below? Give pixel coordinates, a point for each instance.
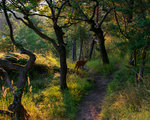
(97, 66)
(125, 101)
(43, 98)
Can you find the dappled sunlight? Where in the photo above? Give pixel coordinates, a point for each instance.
(74, 60)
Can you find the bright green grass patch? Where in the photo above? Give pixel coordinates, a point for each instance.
(97, 67)
(42, 96)
(57, 104)
(50, 102)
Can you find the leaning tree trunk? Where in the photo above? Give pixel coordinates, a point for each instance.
(16, 106)
(74, 50)
(62, 52)
(101, 40)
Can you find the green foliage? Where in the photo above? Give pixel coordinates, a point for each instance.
(120, 80)
(29, 39)
(79, 33)
(96, 66)
(7, 43)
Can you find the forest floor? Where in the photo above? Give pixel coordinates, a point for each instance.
(91, 103)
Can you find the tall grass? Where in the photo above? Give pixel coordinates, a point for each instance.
(125, 101)
(43, 98)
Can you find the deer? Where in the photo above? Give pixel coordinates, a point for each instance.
(80, 63)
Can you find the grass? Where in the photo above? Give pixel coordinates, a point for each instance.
(43, 98)
(104, 69)
(125, 101)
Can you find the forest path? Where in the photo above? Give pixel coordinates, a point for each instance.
(91, 103)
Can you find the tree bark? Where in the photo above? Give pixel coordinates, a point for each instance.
(62, 52)
(63, 72)
(101, 40)
(130, 14)
(91, 48)
(20, 112)
(74, 50)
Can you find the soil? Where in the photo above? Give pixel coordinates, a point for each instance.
(91, 103)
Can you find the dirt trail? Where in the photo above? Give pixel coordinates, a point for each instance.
(91, 103)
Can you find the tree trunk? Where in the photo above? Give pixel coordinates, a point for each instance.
(17, 107)
(141, 69)
(130, 12)
(135, 64)
(91, 48)
(81, 49)
(74, 50)
(63, 65)
(62, 52)
(131, 59)
(101, 40)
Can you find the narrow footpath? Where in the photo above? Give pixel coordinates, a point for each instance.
(91, 103)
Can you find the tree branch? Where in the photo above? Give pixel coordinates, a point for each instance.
(70, 24)
(7, 79)
(32, 26)
(97, 4)
(126, 36)
(36, 14)
(59, 10)
(9, 65)
(101, 22)
(23, 51)
(52, 10)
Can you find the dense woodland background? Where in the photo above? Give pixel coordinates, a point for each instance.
(41, 40)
